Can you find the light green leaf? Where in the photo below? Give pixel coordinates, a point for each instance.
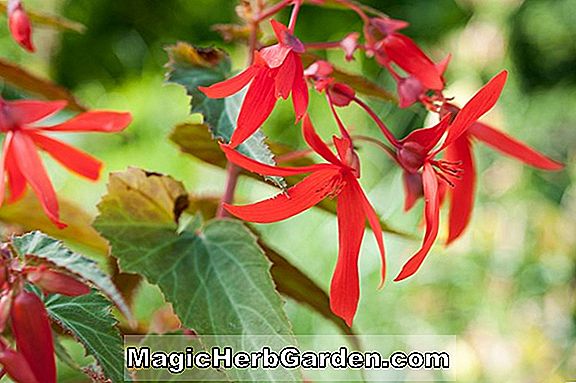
(90, 321)
(217, 277)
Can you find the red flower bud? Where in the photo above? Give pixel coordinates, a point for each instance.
(16, 366)
(54, 282)
(5, 304)
(31, 328)
(341, 94)
(19, 25)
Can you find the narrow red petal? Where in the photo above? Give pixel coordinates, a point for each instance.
(232, 85)
(406, 54)
(31, 328)
(295, 200)
(300, 95)
(16, 179)
(94, 121)
(258, 103)
(428, 138)
(374, 222)
(16, 366)
(285, 77)
(462, 195)
(269, 170)
(29, 111)
(3, 164)
(432, 214)
(72, 158)
(412, 189)
(480, 104)
(30, 164)
(316, 143)
(512, 147)
(345, 285)
(280, 30)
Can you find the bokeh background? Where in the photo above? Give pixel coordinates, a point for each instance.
(506, 289)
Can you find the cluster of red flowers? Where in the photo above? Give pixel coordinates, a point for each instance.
(277, 71)
(33, 359)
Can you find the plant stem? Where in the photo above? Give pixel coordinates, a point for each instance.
(272, 10)
(387, 133)
(294, 15)
(232, 173)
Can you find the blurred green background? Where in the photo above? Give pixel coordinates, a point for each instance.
(506, 289)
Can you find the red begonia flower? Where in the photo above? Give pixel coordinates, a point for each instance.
(276, 72)
(337, 178)
(19, 25)
(20, 161)
(387, 44)
(417, 156)
(461, 196)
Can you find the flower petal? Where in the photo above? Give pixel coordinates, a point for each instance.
(300, 96)
(269, 170)
(462, 194)
(345, 285)
(77, 161)
(478, 105)
(374, 222)
(432, 214)
(285, 77)
(94, 121)
(3, 161)
(232, 85)
(17, 367)
(412, 189)
(31, 328)
(512, 147)
(16, 179)
(316, 143)
(258, 103)
(428, 138)
(31, 166)
(295, 200)
(408, 56)
(29, 111)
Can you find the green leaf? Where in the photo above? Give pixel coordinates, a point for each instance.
(28, 215)
(90, 321)
(39, 245)
(193, 67)
(216, 278)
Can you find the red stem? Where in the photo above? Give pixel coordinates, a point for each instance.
(232, 173)
(272, 10)
(294, 15)
(387, 133)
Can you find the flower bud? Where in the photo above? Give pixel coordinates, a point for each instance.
(16, 366)
(5, 304)
(33, 335)
(341, 94)
(54, 282)
(19, 25)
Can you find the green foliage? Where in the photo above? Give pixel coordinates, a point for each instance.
(217, 278)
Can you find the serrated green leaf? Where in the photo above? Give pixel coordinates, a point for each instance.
(193, 67)
(89, 319)
(40, 245)
(217, 278)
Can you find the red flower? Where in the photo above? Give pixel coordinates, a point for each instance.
(337, 178)
(20, 161)
(277, 71)
(384, 41)
(411, 89)
(462, 194)
(19, 25)
(416, 155)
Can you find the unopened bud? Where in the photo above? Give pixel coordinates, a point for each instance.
(341, 94)
(19, 25)
(5, 304)
(54, 282)
(16, 366)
